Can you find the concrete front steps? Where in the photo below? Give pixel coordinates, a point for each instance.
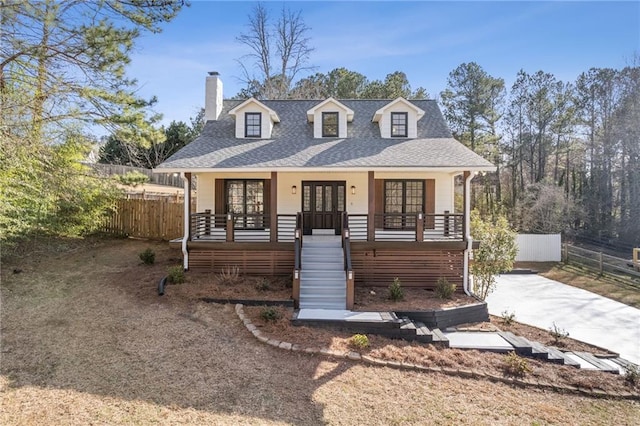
(323, 283)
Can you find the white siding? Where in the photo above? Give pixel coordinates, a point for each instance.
(539, 248)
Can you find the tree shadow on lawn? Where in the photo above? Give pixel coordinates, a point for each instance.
(92, 322)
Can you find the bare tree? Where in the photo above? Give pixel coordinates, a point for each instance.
(278, 52)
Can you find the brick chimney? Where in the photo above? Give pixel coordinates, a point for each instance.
(213, 96)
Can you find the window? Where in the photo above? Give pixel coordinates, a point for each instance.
(252, 124)
(399, 124)
(246, 199)
(329, 124)
(403, 200)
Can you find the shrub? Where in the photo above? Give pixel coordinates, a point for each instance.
(632, 375)
(148, 257)
(270, 313)
(263, 285)
(508, 317)
(444, 289)
(133, 178)
(558, 333)
(515, 365)
(230, 274)
(359, 341)
(395, 290)
(175, 274)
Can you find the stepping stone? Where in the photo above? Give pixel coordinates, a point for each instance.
(538, 350)
(520, 344)
(439, 337)
(624, 363)
(593, 360)
(558, 357)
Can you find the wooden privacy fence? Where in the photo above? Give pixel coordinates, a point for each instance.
(153, 219)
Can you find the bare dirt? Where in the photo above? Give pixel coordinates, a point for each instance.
(85, 339)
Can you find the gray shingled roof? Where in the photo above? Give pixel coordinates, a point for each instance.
(292, 144)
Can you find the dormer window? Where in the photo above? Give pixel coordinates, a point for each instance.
(398, 124)
(329, 124)
(252, 124)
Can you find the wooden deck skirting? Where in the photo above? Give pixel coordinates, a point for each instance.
(250, 262)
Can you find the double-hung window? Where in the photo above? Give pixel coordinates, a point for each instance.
(399, 124)
(252, 125)
(329, 124)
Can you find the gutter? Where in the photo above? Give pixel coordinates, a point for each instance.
(467, 236)
(185, 238)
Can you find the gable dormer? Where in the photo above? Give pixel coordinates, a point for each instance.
(254, 119)
(330, 119)
(398, 119)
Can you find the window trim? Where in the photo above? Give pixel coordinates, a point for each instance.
(337, 115)
(406, 124)
(246, 125)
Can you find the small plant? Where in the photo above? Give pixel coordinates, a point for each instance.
(558, 333)
(444, 289)
(175, 274)
(263, 285)
(270, 313)
(395, 290)
(230, 274)
(359, 341)
(148, 257)
(632, 375)
(133, 178)
(508, 318)
(515, 365)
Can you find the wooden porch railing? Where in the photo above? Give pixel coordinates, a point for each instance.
(408, 227)
(232, 227)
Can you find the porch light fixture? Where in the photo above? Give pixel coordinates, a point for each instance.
(294, 189)
(353, 190)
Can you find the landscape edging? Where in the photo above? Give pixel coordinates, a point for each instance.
(463, 373)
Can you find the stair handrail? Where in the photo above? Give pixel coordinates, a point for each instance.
(346, 249)
(297, 262)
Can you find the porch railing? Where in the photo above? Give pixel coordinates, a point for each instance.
(232, 227)
(408, 227)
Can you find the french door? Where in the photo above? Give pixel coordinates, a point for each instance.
(322, 205)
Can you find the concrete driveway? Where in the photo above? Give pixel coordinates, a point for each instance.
(588, 317)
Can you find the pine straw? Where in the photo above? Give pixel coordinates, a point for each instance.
(86, 340)
(430, 355)
(377, 299)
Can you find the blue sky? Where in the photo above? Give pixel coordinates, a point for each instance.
(425, 39)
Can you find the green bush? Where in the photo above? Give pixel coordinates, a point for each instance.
(270, 313)
(148, 257)
(263, 285)
(395, 290)
(133, 178)
(516, 365)
(359, 341)
(444, 289)
(175, 274)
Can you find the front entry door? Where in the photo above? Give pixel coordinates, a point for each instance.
(322, 205)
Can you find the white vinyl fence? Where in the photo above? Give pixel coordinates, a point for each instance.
(539, 248)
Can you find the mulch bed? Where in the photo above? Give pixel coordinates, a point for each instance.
(415, 299)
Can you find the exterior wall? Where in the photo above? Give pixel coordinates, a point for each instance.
(357, 203)
(412, 121)
(539, 248)
(444, 186)
(267, 125)
(342, 119)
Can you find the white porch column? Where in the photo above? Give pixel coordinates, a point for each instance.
(186, 178)
(467, 176)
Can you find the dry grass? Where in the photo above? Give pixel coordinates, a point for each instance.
(574, 275)
(86, 340)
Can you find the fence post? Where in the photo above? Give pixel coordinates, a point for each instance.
(566, 252)
(229, 227)
(446, 223)
(600, 263)
(420, 228)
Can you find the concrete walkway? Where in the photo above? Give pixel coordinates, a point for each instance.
(587, 317)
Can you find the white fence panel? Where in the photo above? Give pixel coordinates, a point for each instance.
(539, 248)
